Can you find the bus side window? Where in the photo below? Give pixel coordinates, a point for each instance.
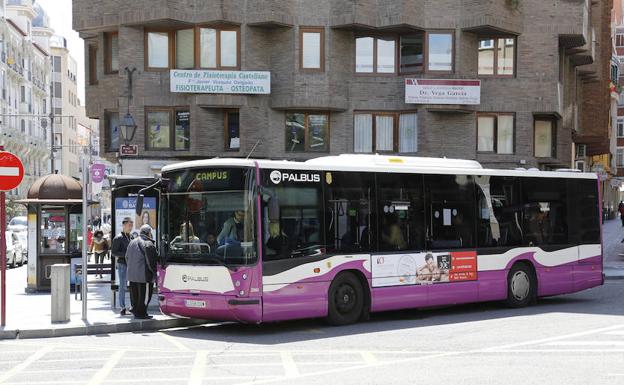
(349, 214)
(499, 223)
(401, 212)
(545, 211)
(450, 211)
(584, 218)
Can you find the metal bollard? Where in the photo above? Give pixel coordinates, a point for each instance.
(60, 292)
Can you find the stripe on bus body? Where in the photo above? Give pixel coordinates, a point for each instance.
(543, 258)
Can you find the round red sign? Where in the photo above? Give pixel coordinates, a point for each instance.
(11, 171)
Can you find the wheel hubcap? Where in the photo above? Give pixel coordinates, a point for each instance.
(345, 298)
(520, 285)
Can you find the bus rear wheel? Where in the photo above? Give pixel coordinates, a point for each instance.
(346, 300)
(521, 286)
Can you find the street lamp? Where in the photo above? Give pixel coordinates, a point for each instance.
(127, 128)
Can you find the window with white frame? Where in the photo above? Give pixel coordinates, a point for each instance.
(386, 132)
(620, 128)
(619, 157)
(495, 133)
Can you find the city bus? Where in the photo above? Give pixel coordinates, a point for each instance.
(339, 237)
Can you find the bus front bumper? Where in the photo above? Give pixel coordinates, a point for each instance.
(213, 307)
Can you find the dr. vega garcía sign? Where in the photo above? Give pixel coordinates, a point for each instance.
(220, 82)
(442, 91)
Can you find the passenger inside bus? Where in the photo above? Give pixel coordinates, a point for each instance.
(393, 237)
(278, 245)
(233, 229)
(187, 240)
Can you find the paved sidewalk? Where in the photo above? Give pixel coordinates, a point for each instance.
(612, 235)
(29, 315)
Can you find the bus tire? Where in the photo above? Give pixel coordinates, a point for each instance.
(521, 286)
(345, 300)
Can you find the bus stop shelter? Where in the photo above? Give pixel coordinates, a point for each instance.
(54, 204)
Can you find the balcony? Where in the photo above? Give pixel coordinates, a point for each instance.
(390, 15)
(574, 28)
(491, 17)
(270, 13)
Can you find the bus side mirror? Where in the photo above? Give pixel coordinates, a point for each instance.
(139, 205)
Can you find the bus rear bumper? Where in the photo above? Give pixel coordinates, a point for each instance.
(213, 307)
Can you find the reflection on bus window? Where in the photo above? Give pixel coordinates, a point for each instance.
(499, 211)
(545, 211)
(349, 213)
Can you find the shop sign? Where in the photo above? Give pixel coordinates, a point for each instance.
(442, 91)
(220, 82)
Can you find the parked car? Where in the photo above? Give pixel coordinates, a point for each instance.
(23, 238)
(18, 224)
(14, 252)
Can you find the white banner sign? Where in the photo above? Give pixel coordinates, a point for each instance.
(220, 82)
(442, 91)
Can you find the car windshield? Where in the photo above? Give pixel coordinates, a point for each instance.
(209, 217)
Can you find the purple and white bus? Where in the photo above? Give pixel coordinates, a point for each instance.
(342, 236)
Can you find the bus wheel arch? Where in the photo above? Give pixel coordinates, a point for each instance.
(348, 298)
(521, 284)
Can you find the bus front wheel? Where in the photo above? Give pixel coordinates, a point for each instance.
(521, 286)
(346, 300)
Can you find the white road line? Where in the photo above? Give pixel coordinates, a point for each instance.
(173, 341)
(585, 343)
(290, 367)
(32, 358)
(108, 367)
(369, 358)
(199, 365)
(616, 333)
(615, 374)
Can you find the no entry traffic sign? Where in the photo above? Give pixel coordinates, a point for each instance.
(11, 171)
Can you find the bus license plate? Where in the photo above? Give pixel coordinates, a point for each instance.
(194, 303)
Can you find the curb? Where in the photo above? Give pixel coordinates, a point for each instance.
(133, 326)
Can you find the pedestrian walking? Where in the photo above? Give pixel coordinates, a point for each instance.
(621, 210)
(99, 248)
(141, 258)
(118, 250)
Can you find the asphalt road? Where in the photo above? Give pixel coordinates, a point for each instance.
(572, 339)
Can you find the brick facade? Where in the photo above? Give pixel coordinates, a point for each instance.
(559, 72)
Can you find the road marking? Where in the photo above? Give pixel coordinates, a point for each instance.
(369, 358)
(290, 367)
(32, 358)
(616, 333)
(173, 341)
(197, 373)
(586, 343)
(101, 374)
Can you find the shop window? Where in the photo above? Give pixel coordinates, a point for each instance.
(401, 214)
(349, 217)
(440, 51)
(307, 132)
(232, 130)
(375, 55)
(497, 56)
(545, 138)
(111, 46)
(450, 214)
(312, 48)
(157, 44)
(53, 231)
(385, 132)
(495, 133)
(161, 136)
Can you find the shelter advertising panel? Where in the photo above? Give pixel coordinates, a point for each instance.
(125, 208)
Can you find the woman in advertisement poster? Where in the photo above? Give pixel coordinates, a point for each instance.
(147, 218)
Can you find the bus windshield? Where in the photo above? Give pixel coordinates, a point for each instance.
(208, 217)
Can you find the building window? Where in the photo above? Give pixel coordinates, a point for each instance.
(185, 48)
(200, 47)
(620, 128)
(497, 56)
(157, 50)
(111, 47)
(58, 90)
(495, 133)
(56, 64)
(232, 130)
(619, 157)
(412, 53)
(307, 132)
(440, 51)
(385, 132)
(619, 40)
(111, 119)
(23, 94)
(545, 138)
(160, 136)
(375, 55)
(312, 48)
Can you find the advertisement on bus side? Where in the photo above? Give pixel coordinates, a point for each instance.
(424, 268)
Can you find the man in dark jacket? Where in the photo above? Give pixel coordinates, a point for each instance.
(118, 250)
(141, 257)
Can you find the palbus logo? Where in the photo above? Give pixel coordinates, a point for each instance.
(276, 177)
